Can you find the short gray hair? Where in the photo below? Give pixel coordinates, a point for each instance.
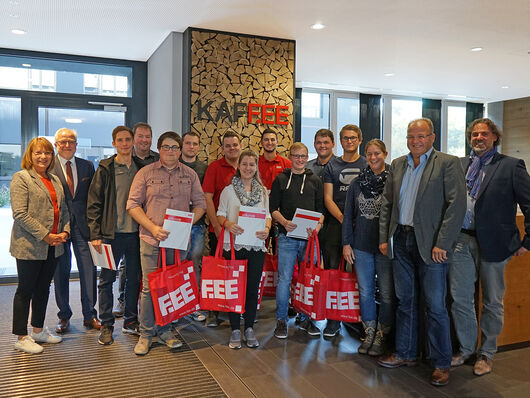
(65, 130)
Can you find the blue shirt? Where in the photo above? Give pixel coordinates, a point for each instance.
(409, 188)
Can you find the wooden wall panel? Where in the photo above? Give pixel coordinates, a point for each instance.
(516, 129)
(228, 68)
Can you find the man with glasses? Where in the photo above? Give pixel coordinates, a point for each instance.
(218, 175)
(109, 222)
(75, 175)
(165, 184)
(338, 174)
(424, 203)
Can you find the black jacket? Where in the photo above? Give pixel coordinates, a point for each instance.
(101, 203)
(506, 184)
(290, 191)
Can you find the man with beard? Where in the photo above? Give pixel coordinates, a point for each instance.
(270, 164)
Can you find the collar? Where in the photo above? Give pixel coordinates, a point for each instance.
(158, 165)
(275, 160)
(224, 163)
(317, 160)
(423, 158)
(150, 155)
(63, 161)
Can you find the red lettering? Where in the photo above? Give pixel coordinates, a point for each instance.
(265, 114)
(279, 114)
(252, 112)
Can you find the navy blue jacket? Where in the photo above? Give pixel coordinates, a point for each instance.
(77, 204)
(506, 184)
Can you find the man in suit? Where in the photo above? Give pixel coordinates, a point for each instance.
(489, 237)
(423, 208)
(75, 175)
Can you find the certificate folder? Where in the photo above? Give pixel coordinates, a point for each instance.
(105, 259)
(304, 219)
(251, 219)
(178, 223)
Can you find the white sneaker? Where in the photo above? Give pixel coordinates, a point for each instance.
(27, 344)
(46, 337)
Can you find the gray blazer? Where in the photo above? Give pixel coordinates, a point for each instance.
(439, 208)
(33, 215)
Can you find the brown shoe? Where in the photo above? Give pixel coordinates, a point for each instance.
(92, 324)
(62, 326)
(440, 377)
(393, 361)
(483, 365)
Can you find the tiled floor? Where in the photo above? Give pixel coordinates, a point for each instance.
(302, 366)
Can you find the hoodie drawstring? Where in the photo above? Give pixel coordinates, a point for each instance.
(289, 183)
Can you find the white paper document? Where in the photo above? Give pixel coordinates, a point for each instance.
(178, 223)
(105, 259)
(304, 219)
(251, 219)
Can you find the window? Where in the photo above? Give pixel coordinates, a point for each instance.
(315, 116)
(456, 130)
(347, 113)
(403, 111)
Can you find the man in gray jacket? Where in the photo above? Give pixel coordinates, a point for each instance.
(424, 203)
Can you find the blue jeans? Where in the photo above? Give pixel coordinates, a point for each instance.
(87, 277)
(367, 266)
(411, 277)
(289, 250)
(466, 265)
(128, 245)
(196, 249)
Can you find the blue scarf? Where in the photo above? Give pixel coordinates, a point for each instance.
(476, 170)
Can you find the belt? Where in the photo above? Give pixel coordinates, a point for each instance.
(470, 232)
(405, 228)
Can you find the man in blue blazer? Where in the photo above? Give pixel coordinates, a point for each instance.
(75, 175)
(424, 202)
(495, 184)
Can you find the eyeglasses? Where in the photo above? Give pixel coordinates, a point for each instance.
(299, 156)
(418, 137)
(66, 142)
(167, 148)
(47, 153)
(350, 138)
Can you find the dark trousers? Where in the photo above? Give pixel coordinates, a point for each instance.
(87, 277)
(212, 242)
(34, 278)
(254, 270)
(128, 245)
(332, 250)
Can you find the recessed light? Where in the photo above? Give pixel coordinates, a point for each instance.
(13, 15)
(505, 87)
(389, 74)
(476, 49)
(26, 65)
(18, 31)
(456, 96)
(13, 2)
(318, 26)
(74, 121)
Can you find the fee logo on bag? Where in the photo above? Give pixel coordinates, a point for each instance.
(342, 300)
(178, 298)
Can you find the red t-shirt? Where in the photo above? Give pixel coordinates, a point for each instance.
(218, 175)
(53, 195)
(268, 170)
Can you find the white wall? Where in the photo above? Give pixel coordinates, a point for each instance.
(164, 87)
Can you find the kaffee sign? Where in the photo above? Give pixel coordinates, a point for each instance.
(255, 113)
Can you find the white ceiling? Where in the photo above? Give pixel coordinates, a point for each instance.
(425, 43)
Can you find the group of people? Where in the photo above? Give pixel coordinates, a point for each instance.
(407, 229)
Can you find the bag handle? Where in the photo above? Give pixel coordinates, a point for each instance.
(220, 243)
(162, 256)
(342, 264)
(312, 245)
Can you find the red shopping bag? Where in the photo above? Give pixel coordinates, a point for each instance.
(342, 297)
(173, 289)
(310, 291)
(223, 282)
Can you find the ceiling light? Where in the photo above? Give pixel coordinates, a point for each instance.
(456, 96)
(317, 26)
(18, 31)
(505, 87)
(13, 2)
(476, 49)
(26, 65)
(389, 74)
(72, 120)
(13, 15)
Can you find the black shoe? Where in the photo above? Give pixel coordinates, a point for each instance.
(332, 328)
(298, 319)
(309, 327)
(291, 312)
(281, 329)
(131, 328)
(212, 320)
(105, 337)
(119, 310)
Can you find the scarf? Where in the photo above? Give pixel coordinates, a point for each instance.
(372, 185)
(251, 198)
(476, 170)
